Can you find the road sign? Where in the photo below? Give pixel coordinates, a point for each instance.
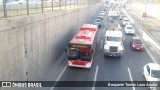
(148, 27)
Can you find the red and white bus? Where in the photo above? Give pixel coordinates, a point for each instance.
(82, 47)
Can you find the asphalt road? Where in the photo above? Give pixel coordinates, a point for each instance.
(127, 68)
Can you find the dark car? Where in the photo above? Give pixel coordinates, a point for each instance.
(136, 44)
(101, 15)
(98, 22)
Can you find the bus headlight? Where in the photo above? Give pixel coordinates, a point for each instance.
(88, 65)
(69, 63)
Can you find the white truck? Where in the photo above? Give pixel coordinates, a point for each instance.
(113, 45)
(112, 20)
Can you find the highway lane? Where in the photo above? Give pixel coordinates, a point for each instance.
(127, 68)
(116, 69)
(153, 50)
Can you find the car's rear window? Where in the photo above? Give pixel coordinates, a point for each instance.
(126, 20)
(129, 27)
(137, 41)
(98, 20)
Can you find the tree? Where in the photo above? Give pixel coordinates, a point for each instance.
(157, 1)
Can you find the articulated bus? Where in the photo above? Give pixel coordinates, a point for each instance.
(82, 47)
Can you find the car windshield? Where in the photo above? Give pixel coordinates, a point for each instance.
(137, 41)
(126, 20)
(100, 15)
(129, 27)
(98, 20)
(123, 16)
(155, 73)
(102, 11)
(117, 39)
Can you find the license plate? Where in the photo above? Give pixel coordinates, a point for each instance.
(137, 48)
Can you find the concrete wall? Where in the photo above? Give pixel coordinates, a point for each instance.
(31, 44)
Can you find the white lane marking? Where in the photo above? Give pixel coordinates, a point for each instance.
(99, 34)
(130, 76)
(150, 55)
(52, 88)
(95, 77)
(103, 30)
(148, 52)
(101, 44)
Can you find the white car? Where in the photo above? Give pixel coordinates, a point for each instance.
(120, 11)
(129, 29)
(151, 72)
(121, 17)
(125, 21)
(102, 12)
(106, 6)
(22, 2)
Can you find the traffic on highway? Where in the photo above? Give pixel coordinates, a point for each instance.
(122, 54)
(79, 45)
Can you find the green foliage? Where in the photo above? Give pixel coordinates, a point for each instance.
(157, 1)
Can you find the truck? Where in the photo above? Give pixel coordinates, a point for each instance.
(112, 20)
(113, 43)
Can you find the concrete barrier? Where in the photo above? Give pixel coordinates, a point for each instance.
(31, 44)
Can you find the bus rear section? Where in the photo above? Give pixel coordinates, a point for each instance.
(82, 47)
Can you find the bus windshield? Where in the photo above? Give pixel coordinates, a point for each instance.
(73, 53)
(83, 54)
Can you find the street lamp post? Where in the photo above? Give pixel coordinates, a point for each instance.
(70, 3)
(145, 13)
(4, 8)
(146, 8)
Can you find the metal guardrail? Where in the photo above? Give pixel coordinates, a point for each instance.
(25, 8)
(144, 32)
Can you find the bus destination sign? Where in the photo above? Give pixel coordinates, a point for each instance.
(80, 46)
